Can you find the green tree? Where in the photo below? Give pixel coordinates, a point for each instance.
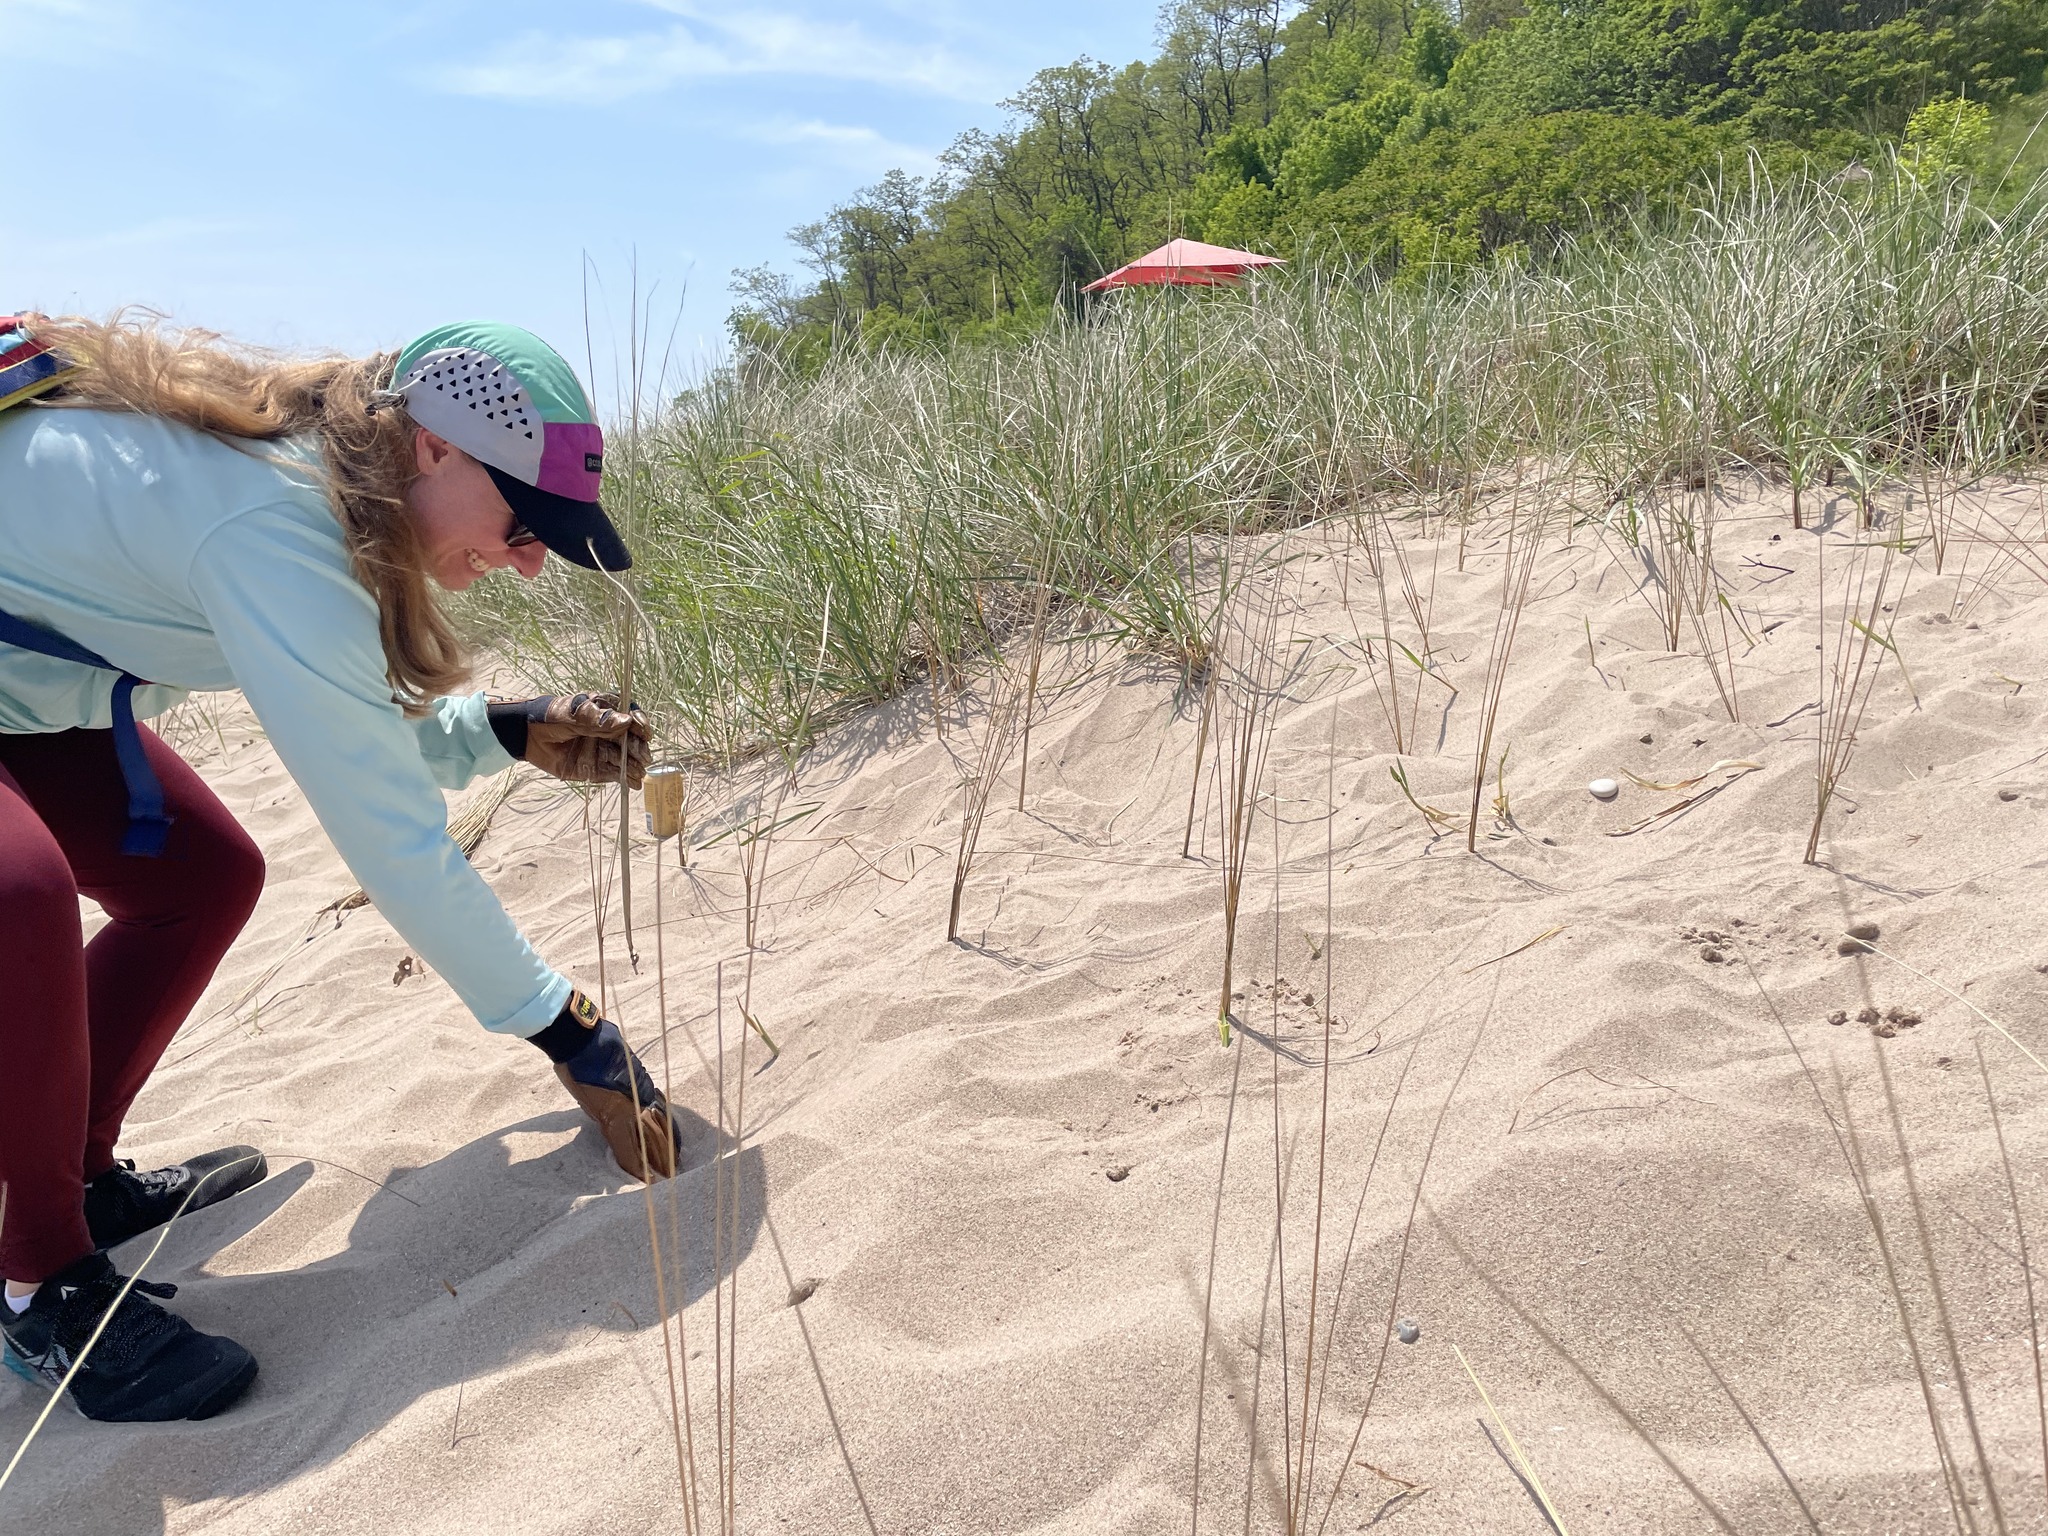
(1333, 148)
(1419, 137)
(1432, 47)
(1947, 139)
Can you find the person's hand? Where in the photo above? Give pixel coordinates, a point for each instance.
(581, 737)
(603, 1075)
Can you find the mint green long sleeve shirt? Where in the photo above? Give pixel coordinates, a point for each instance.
(199, 565)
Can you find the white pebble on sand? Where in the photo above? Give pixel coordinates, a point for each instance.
(1603, 789)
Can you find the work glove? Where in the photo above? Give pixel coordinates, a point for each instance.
(604, 1076)
(578, 736)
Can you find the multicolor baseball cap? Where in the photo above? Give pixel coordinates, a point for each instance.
(506, 398)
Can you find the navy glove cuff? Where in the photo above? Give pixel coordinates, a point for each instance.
(565, 1038)
(509, 722)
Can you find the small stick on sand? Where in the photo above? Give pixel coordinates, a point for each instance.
(1522, 1462)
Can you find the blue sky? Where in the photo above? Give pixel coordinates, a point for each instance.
(346, 175)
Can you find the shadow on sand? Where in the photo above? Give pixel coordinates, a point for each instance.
(451, 1272)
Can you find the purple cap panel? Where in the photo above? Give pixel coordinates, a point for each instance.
(571, 460)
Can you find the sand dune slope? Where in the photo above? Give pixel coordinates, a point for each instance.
(1597, 1166)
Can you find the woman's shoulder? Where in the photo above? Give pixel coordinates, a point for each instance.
(130, 454)
(167, 493)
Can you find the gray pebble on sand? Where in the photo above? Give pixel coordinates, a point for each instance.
(1407, 1330)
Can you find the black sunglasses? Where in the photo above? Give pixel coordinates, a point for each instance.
(520, 536)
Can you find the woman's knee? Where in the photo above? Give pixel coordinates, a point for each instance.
(36, 884)
(231, 868)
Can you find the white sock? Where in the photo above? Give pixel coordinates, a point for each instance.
(19, 1304)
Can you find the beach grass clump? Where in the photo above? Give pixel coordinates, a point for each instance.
(820, 539)
(1871, 582)
(1860, 335)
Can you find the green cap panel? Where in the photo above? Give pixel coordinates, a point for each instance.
(549, 382)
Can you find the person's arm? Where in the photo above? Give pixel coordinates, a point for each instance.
(300, 635)
(458, 741)
(580, 737)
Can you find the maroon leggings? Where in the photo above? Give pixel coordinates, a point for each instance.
(82, 1025)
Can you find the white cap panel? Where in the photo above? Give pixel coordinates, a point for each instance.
(472, 399)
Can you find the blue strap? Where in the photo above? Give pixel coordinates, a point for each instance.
(148, 825)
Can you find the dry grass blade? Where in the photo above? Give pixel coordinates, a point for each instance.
(1522, 1462)
(1744, 763)
(684, 1452)
(1518, 568)
(1209, 1290)
(1279, 1211)
(1548, 933)
(1201, 748)
(1556, 1346)
(721, 1256)
(1943, 1317)
(1253, 1463)
(755, 850)
(1710, 606)
(732, 1343)
(1401, 714)
(1041, 601)
(1849, 1143)
(1000, 731)
(1876, 949)
(2012, 1191)
(1679, 808)
(757, 841)
(1961, 1511)
(1680, 555)
(651, 1168)
(1246, 690)
(683, 1429)
(92, 1341)
(1849, 675)
(1297, 1507)
(818, 1371)
(1755, 1430)
(1350, 1242)
(1401, 1258)
(1438, 821)
(624, 855)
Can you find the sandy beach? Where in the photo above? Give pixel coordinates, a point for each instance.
(995, 1170)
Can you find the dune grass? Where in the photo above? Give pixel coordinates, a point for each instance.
(1129, 475)
(815, 542)
(1894, 335)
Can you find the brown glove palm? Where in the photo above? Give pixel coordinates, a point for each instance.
(604, 1076)
(581, 737)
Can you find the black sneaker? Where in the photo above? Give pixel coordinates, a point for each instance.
(122, 1203)
(148, 1365)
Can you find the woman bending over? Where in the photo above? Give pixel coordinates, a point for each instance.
(176, 517)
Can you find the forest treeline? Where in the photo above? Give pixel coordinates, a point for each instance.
(1396, 135)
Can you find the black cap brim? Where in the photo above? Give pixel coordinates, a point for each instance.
(578, 531)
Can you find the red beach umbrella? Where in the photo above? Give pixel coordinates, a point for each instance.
(1184, 263)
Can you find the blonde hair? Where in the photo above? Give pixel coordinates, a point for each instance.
(196, 378)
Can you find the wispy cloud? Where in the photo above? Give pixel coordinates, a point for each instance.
(67, 31)
(858, 148)
(540, 66)
(24, 12)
